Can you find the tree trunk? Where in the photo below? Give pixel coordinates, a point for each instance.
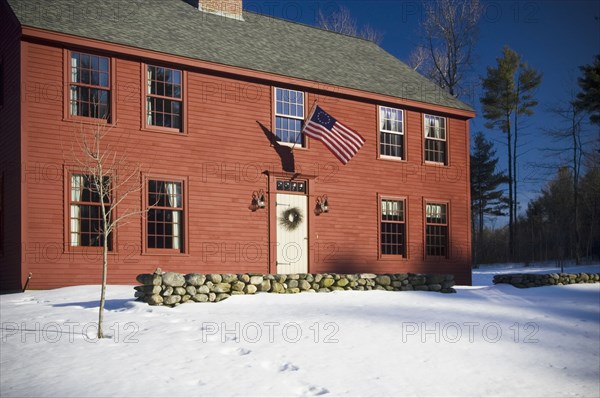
(105, 234)
(480, 233)
(510, 194)
(475, 239)
(103, 289)
(574, 128)
(514, 178)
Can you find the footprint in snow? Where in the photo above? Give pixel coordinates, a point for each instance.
(288, 367)
(29, 300)
(193, 382)
(314, 391)
(236, 351)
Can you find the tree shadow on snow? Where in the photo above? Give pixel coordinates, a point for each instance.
(110, 305)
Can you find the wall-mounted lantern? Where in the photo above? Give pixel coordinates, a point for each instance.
(258, 200)
(322, 205)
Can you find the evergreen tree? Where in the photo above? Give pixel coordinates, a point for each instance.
(556, 200)
(508, 93)
(486, 198)
(590, 212)
(589, 97)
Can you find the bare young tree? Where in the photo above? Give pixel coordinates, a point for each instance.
(571, 133)
(108, 178)
(341, 21)
(449, 30)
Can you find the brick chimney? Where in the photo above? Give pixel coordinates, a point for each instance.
(226, 8)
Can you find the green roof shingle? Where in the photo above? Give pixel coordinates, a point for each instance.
(259, 43)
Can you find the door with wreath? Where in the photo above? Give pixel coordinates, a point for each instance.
(292, 234)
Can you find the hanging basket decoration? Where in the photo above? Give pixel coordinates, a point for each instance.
(291, 218)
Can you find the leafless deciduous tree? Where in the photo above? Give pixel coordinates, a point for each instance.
(419, 61)
(108, 178)
(341, 21)
(449, 31)
(572, 135)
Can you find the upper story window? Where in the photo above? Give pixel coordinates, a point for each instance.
(89, 86)
(391, 132)
(392, 234)
(164, 98)
(436, 229)
(165, 222)
(289, 116)
(435, 139)
(85, 211)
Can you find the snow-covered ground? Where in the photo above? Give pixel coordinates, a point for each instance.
(483, 341)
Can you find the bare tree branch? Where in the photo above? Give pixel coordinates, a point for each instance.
(449, 33)
(112, 178)
(341, 21)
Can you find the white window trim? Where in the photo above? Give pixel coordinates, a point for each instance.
(382, 156)
(301, 118)
(443, 129)
(404, 221)
(445, 139)
(446, 224)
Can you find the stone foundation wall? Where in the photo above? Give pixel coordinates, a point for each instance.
(170, 288)
(537, 280)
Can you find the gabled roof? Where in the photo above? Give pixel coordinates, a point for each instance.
(259, 43)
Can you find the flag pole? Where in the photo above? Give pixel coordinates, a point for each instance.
(312, 110)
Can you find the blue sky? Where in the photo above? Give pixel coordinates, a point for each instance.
(554, 36)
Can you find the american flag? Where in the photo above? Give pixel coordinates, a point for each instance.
(342, 141)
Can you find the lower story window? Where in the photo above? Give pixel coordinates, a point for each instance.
(436, 229)
(85, 211)
(393, 227)
(165, 220)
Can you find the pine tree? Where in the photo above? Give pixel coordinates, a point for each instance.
(508, 94)
(589, 97)
(556, 200)
(486, 198)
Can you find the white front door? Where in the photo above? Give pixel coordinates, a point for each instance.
(292, 234)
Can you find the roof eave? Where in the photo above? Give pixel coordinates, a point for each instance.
(35, 33)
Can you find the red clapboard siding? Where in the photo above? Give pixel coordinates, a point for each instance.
(221, 157)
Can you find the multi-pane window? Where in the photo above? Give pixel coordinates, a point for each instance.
(164, 97)
(289, 115)
(291, 186)
(393, 227)
(435, 139)
(165, 215)
(436, 229)
(85, 211)
(89, 88)
(391, 132)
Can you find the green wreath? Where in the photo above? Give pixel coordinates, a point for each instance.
(291, 218)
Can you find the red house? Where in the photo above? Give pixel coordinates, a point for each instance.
(211, 100)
